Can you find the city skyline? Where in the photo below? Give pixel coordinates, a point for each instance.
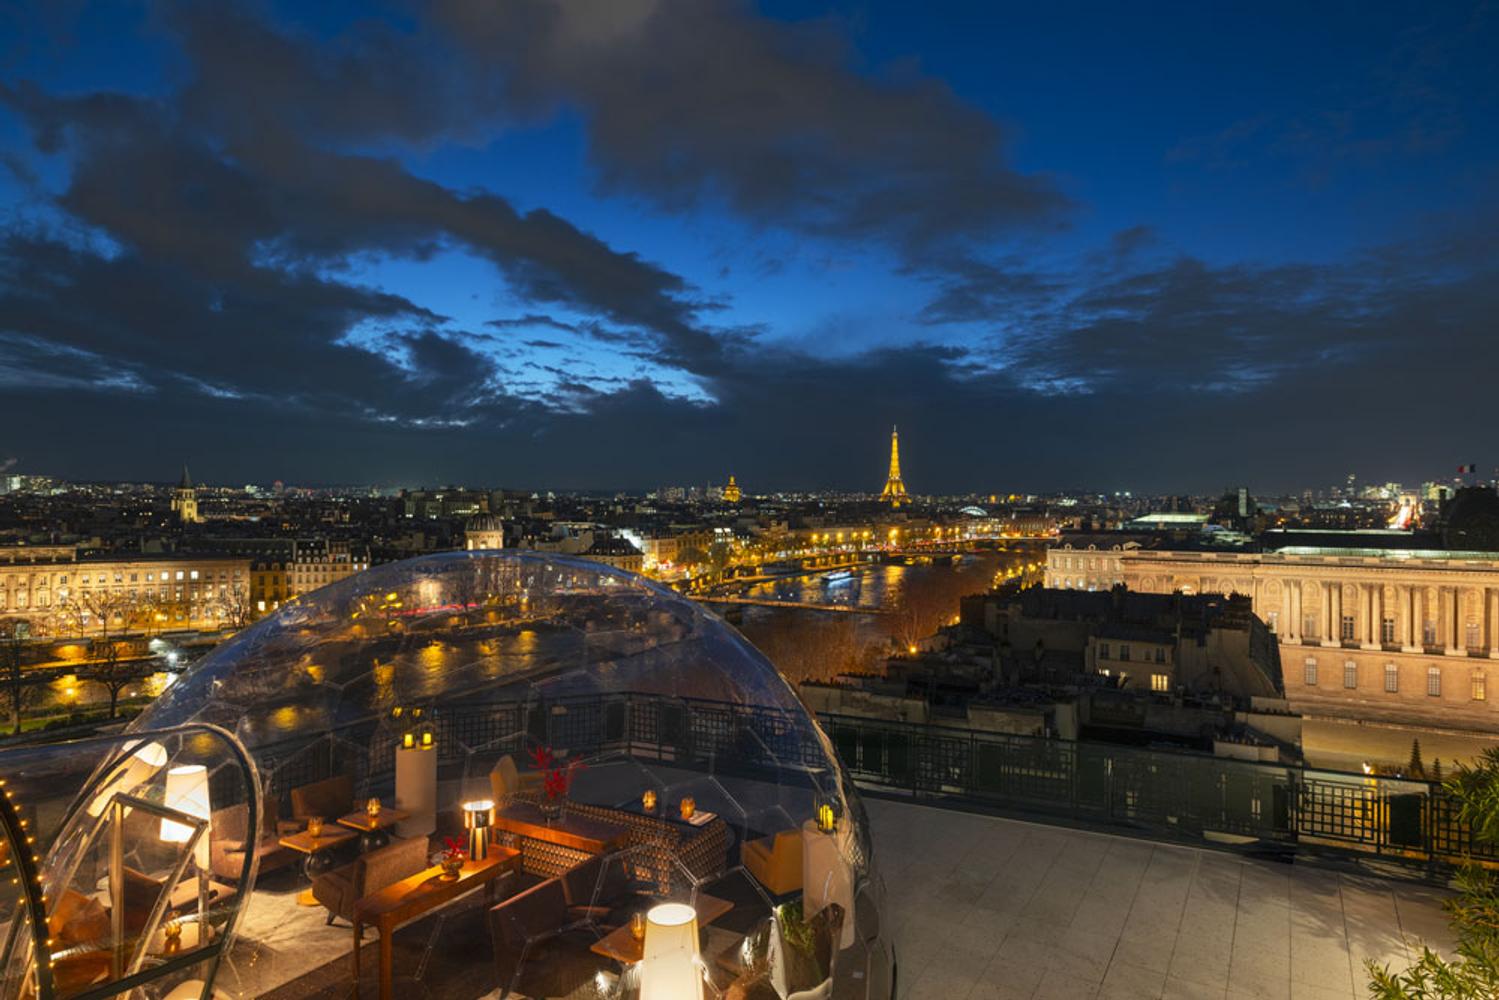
(665, 241)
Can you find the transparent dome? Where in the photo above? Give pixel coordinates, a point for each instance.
(622, 749)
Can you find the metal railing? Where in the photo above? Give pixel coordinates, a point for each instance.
(1163, 793)
(1159, 793)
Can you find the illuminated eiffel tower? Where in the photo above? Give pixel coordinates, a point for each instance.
(895, 490)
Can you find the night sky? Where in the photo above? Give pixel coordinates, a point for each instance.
(625, 243)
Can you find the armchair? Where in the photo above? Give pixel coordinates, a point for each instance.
(341, 888)
(330, 798)
(522, 922)
(775, 861)
(231, 839)
(507, 781)
(596, 886)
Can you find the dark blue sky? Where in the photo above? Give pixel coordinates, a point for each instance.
(632, 242)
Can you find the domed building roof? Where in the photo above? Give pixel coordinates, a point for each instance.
(484, 522)
(497, 654)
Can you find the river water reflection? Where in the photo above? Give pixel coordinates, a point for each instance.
(814, 645)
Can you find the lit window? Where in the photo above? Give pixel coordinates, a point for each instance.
(193, 575)
(1434, 681)
(1272, 619)
(1309, 671)
(179, 574)
(1160, 682)
(1350, 674)
(1480, 686)
(1391, 677)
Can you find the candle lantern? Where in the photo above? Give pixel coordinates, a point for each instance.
(408, 740)
(648, 800)
(372, 808)
(427, 738)
(477, 817)
(827, 820)
(689, 807)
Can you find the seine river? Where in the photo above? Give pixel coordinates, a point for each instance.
(814, 645)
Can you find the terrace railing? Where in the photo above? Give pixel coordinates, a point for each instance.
(1160, 793)
(1165, 793)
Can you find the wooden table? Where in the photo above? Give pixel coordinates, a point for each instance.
(411, 897)
(621, 945)
(581, 833)
(372, 830)
(309, 847)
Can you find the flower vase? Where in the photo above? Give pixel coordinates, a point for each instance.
(551, 809)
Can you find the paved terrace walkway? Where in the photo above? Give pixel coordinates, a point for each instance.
(993, 909)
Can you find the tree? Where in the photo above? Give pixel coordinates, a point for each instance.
(108, 670)
(1415, 768)
(13, 635)
(1474, 973)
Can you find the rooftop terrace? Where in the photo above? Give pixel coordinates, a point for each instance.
(992, 909)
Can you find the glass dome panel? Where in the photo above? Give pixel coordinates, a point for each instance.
(591, 705)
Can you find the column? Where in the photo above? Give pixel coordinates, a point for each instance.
(1491, 598)
(1373, 615)
(1290, 614)
(1451, 640)
(1334, 614)
(1412, 618)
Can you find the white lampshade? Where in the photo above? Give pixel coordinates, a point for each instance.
(187, 792)
(130, 773)
(670, 967)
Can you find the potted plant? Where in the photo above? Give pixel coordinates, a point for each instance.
(451, 859)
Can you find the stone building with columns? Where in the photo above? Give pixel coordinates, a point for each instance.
(1374, 625)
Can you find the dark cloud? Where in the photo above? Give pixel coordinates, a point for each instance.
(687, 101)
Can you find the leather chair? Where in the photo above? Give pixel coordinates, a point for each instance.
(595, 887)
(775, 861)
(520, 923)
(329, 799)
(506, 781)
(341, 888)
(230, 837)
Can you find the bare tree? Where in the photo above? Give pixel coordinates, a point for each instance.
(108, 669)
(13, 635)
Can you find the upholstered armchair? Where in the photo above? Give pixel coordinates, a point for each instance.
(507, 781)
(231, 838)
(522, 922)
(341, 888)
(329, 799)
(775, 861)
(595, 887)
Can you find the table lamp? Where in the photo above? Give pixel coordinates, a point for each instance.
(670, 970)
(187, 792)
(129, 774)
(476, 819)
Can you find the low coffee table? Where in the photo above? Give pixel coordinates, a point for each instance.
(621, 945)
(411, 897)
(316, 858)
(374, 829)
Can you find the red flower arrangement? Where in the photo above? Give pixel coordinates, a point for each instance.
(454, 850)
(555, 780)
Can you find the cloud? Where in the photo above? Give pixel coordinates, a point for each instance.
(688, 102)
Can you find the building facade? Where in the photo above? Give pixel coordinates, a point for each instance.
(1367, 631)
(65, 595)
